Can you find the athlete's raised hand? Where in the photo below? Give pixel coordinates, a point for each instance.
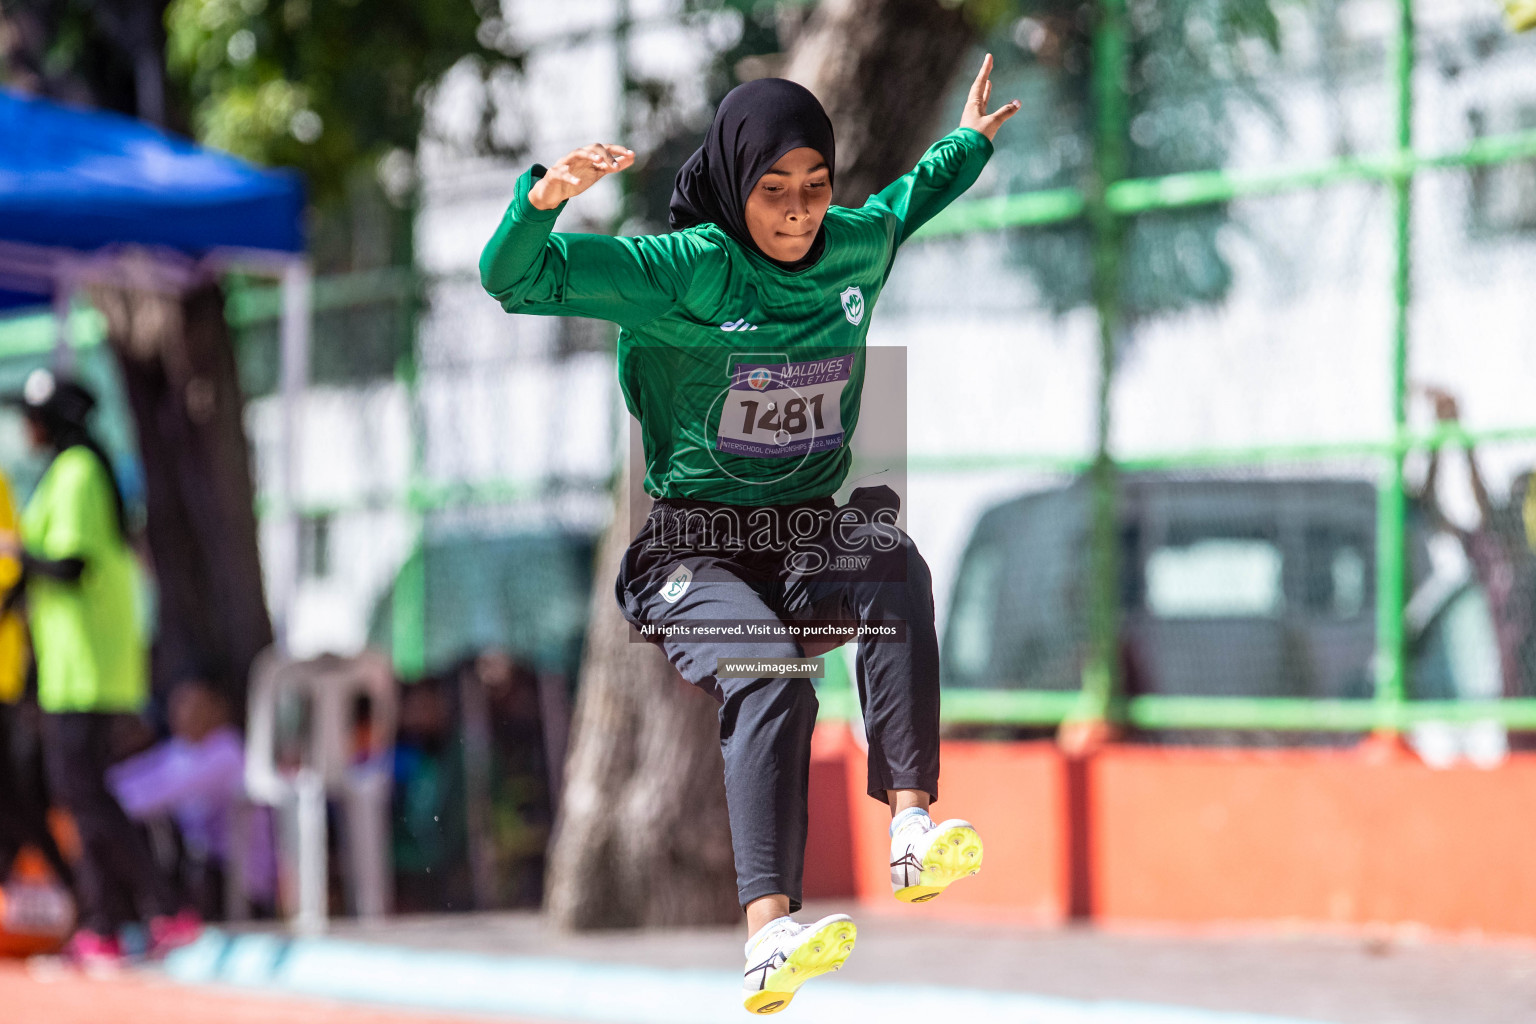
(578, 171)
(976, 115)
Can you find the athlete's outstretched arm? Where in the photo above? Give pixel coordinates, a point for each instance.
(529, 269)
(951, 165)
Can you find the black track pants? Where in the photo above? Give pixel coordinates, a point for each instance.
(23, 797)
(710, 567)
(116, 877)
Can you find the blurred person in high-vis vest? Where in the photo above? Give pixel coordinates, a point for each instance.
(13, 632)
(23, 817)
(36, 913)
(81, 588)
(13, 682)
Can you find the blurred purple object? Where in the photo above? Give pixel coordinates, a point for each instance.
(200, 785)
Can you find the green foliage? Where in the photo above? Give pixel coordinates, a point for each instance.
(327, 86)
(1188, 74)
(667, 135)
(752, 35)
(86, 52)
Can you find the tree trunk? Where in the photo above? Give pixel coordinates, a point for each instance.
(882, 69)
(179, 372)
(642, 838)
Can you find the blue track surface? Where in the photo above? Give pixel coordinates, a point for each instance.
(562, 990)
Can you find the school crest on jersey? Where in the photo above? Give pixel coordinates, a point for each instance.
(853, 304)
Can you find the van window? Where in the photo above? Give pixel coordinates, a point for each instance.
(971, 629)
(1215, 578)
(1347, 573)
(1335, 575)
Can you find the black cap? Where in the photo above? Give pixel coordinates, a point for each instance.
(48, 397)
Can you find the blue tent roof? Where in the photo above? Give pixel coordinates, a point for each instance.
(85, 179)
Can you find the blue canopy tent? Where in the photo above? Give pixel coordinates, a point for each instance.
(75, 184)
(80, 188)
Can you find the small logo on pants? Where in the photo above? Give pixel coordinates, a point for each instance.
(677, 584)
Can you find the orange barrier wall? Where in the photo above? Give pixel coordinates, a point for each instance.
(829, 846)
(1331, 838)
(1200, 836)
(1013, 792)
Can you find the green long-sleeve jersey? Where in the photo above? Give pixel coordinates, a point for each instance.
(746, 378)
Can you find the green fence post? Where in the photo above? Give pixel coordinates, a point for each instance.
(1101, 698)
(408, 600)
(1391, 556)
(408, 613)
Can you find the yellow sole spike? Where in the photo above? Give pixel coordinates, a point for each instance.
(824, 950)
(955, 853)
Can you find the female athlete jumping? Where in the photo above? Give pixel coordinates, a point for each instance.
(741, 353)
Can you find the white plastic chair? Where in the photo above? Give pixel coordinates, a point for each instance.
(325, 769)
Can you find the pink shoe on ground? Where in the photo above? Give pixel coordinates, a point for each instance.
(172, 932)
(93, 952)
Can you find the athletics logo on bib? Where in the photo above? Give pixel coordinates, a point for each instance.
(853, 304)
(780, 410)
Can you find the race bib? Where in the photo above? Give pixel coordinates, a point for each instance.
(777, 410)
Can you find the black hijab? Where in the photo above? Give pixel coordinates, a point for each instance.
(757, 123)
(61, 408)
